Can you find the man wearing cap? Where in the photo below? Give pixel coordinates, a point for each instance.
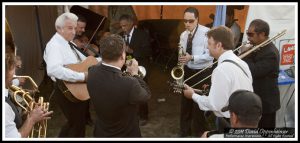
(230, 75)
(242, 114)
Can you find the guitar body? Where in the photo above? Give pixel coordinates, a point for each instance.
(79, 89)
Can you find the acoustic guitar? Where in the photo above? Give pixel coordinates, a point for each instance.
(79, 89)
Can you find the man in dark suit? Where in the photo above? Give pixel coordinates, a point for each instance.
(264, 66)
(138, 46)
(114, 96)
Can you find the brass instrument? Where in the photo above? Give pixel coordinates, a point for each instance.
(26, 102)
(41, 130)
(141, 71)
(241, 56)
(266, 42)
(177, 72)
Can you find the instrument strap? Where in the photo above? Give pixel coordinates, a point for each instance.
(72, 47)
(230, 61)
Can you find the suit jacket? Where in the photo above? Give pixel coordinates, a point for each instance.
(264, 67)
(115, 99)
(140, 43)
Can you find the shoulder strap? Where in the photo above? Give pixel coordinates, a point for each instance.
(73, 46)
(230, 61)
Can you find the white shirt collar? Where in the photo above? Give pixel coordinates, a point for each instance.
(226, 55)
(111, 66)
(193, 30)
(61, 38)
(130, 34)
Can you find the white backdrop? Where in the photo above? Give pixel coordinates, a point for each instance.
(279, 17)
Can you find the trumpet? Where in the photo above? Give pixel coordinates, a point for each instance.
(266, 42)
(26, 102)
(141, 71)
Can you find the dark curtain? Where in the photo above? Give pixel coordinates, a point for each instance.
(31, 27)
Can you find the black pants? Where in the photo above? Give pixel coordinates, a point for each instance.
(75, 114)
(267, 120)
(191, 117)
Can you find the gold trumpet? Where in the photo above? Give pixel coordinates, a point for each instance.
(141, 71)
(26, 102)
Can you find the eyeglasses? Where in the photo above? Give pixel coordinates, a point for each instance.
(189, 20)
(250, 34)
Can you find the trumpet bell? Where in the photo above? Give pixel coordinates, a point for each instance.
(177, 73)
(142, 71)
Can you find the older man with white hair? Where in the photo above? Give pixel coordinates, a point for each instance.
(58, 53)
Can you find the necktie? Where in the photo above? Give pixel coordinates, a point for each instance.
(189, 44)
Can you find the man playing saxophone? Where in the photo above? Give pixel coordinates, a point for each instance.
(194, 42)
(14, 126)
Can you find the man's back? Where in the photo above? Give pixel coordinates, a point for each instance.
(115, 99)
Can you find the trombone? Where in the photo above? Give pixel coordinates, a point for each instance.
(266, 42)
(177, 72)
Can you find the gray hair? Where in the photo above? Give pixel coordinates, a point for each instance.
(60, 21)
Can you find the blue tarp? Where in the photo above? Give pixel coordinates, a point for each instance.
(220, 15)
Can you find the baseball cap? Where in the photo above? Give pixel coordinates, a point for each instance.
(244, 103)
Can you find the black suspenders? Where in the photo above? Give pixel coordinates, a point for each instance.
(230, 61)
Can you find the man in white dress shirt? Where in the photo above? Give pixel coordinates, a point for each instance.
(194, 42)
(57, 54)
(230, 75)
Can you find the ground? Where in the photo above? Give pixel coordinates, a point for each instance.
(164, 108)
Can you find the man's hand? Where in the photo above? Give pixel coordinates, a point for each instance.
(38, 114)
(204, 135)
(132, 67)
(188, 91)
(184, 59)
(21, 80)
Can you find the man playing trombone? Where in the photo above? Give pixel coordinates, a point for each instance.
(264, 66)
(230, 75)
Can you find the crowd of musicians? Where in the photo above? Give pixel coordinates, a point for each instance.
(243, 93)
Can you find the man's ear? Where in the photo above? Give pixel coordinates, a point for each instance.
(234, 118)
(59, 30)
(123, 57)
(219, 45)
